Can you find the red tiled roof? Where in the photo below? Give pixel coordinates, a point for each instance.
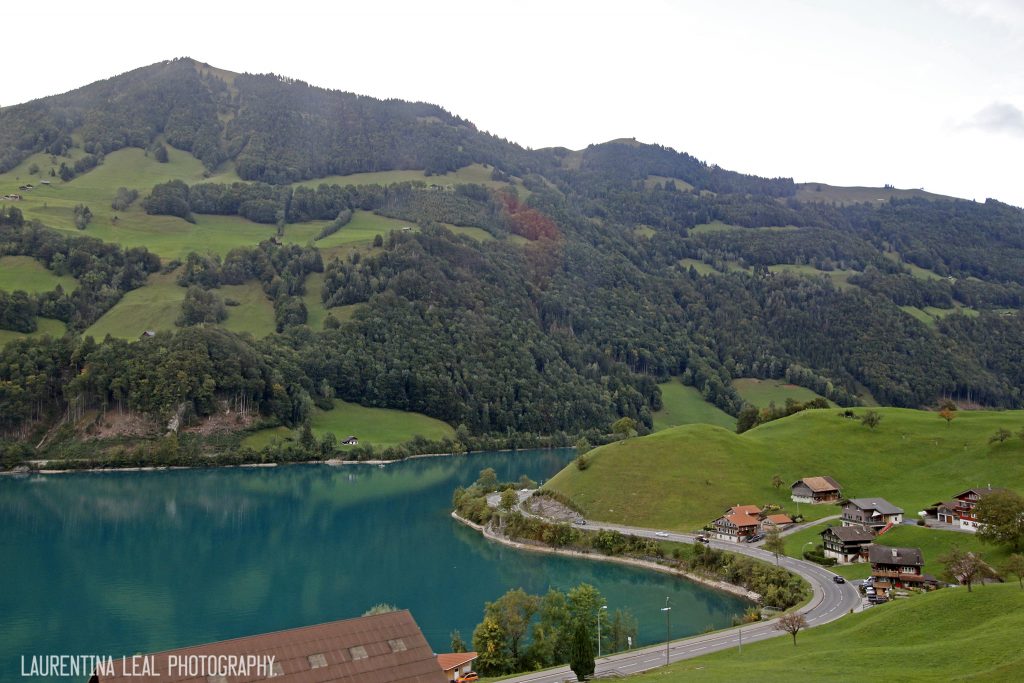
(389, 648)
(821, 484)
(745, 510)
(450, 660)
(741, 519)
(778, 519)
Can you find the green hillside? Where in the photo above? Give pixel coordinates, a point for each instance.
(761, 392)
(376, 426)
(683, 405)
(155, 307)
(684, 477)
(26, 273)
(942, 636)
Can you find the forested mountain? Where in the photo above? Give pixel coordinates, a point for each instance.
(604, 271)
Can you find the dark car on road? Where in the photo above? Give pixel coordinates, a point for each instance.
(838, 579)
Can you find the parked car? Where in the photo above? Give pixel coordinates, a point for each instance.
(468, 677)
(755, 538)
(581, 522)
(838, 579)
(661, 533)
(703, 539)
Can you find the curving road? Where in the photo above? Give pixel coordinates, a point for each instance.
(830, 601)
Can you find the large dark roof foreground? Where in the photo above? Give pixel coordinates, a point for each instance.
(390, 648)
(883, 554)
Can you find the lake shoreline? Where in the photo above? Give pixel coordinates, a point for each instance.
(715, 584)
(331, 462)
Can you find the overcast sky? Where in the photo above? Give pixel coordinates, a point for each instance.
(916, 93)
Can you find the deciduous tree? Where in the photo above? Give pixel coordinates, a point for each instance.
(791, 623)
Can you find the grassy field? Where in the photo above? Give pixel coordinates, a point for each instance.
(820, 192)
(28, 274)
(154, 306)
(929, 314)
(713, 226)
(479, 234)
(474, 173)
(54, 328)
(934, 543)
(683, 405)
(254, 315)
(761, 392)
(377, 426)
(652, 180)
(684, 477)
(699, 266)
(363, 227)
(840, 278)
(942, 636)
(644, 231)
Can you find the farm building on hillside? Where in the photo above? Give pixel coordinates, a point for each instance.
(877, 514)
(350, 441)
(815, 490)
(897, 567)
(383, 648)
(847, 544)
(960, 510)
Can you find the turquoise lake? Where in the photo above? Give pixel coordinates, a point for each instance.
(121, 563)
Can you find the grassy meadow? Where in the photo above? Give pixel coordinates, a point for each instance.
(45, 326)
(376, 426)
(682, 405)
(822, 192)
(154, 306)
(27, 274)
(942, 636)
(761, 392)
(255, 312)
(682, 478)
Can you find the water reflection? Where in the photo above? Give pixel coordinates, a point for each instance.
(117, 563)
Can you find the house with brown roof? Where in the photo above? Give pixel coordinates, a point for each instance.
(896, 567)
(382, 648)
(964, 504)
(847, 544)
(877, 514)
(815, 490)
(777, 521)
(456, 664)
(737, 526)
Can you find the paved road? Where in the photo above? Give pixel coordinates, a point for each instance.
(829, 602)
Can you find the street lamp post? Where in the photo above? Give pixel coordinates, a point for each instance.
(668, 627)
(599, 629)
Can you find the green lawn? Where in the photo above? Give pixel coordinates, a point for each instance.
(363, 227)
(54, 328)
(942, 636)
(934, 543)
(28, 274)
(761, 392)
(684, 477)
(682, 405)
(699, 266)
(376, 426)
(154, 306)
(254, 315)
(840, 278)
(821, 192)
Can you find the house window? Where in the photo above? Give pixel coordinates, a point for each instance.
(358, 652)
(317, 661)
(397, 645)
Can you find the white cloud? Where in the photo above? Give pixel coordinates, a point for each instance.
(998, 117)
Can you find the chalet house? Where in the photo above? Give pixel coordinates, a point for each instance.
(847, 544)
(876, 514)
(815, 490)
(960, 510)
(738, 524)
(384, 648)
(777, 521)
(456, 664)
(896, 567)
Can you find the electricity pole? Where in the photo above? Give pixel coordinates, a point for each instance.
(668, 627)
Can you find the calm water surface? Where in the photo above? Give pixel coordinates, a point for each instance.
(126, 562)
